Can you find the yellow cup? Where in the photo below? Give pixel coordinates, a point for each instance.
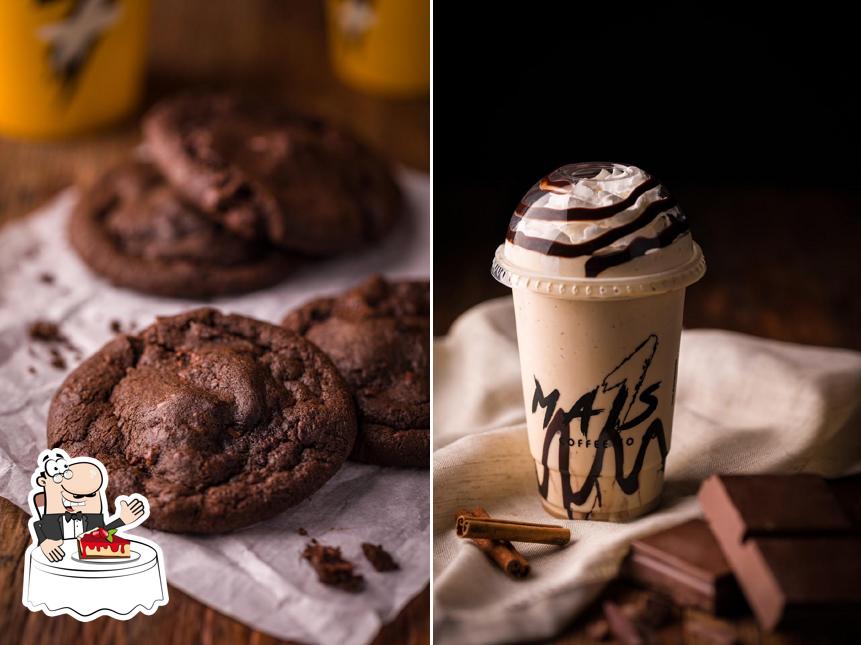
(381, 46)
(68, 66)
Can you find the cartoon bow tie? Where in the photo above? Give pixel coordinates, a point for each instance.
(72, 516)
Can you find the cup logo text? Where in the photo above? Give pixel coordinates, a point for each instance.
(633, 405)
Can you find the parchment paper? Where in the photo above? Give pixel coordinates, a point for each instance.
(255, 575)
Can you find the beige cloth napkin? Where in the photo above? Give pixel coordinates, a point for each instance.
(744, 405)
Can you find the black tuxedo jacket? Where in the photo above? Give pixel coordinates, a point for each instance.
(50, 527)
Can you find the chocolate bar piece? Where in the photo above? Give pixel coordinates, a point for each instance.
(791, 546)
(686, 563)
(623, 627)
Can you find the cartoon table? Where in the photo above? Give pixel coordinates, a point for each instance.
(116, 587)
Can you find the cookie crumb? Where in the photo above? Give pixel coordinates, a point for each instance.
(302, 532)
(46, 332)
(379, 558)
(47, 278)
(116, 326)
(57, 359)
(332, 569)
(31, 369)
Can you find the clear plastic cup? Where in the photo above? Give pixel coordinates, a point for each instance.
(598, 257)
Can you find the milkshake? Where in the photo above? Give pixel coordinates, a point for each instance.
(598, 256)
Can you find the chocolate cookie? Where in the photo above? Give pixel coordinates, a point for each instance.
(132, 228)
(266, 173)
(378, 336)
(220, 421)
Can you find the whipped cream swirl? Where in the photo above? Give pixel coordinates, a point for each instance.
(610, 212)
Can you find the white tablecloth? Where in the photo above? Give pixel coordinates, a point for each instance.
(743, 405)
(96, 588)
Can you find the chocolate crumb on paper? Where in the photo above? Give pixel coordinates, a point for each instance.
(379, 558)
(47, 278)
(302, 532)
(116, 326)
(332, 569)
(57, 359)
(46, 332)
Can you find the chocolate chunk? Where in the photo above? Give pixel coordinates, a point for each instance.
(57, 359)
(379, 558)
(45, 331)
(657, 611)
(686, 563)
(332, 569)
(789, 505)
(790, 545)
(623, 628)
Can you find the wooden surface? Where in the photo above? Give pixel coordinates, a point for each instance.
(268, 47)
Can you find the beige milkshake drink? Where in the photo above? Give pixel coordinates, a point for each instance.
(598, 256)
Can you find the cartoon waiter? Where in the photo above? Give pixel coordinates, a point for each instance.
(71, 502)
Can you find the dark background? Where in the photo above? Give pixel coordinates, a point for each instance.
(752, 124)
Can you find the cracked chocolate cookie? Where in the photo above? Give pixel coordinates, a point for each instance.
(219, 420)
(133, 229)
(378, 336)
(265, 173)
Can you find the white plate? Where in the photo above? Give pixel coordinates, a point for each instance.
(132, 557)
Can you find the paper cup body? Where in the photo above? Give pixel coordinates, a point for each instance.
(381, 46)
(599, 380)
(68, 67)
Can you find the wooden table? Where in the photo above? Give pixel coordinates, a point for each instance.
(260, 46)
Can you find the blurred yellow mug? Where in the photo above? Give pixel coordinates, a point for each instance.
(381, 46)
(69, 66)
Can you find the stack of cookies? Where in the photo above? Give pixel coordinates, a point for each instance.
(222, 421)
(229, 196)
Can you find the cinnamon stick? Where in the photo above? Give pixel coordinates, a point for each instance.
(511, 530)
(500, 552)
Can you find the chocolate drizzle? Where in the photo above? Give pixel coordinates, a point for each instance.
(580, 213)
(558, 420)
(638, 246)
(566, 250)
(560, 182)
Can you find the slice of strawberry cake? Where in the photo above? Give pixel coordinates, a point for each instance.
(103, 543)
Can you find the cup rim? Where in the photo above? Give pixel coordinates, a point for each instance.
(617, 288)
